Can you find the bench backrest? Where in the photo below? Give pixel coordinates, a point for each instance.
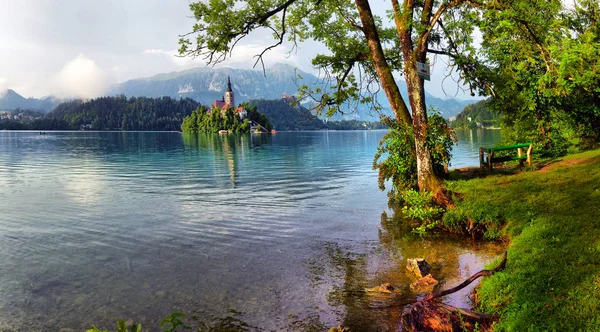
(510, 147)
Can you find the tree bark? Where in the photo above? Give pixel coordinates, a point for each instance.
(384, 73)
(427, 180)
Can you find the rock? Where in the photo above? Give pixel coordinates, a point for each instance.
(161, 293)
(339, 328)
(102, 258)
(418, 266)
(424, 284)
(386, 288)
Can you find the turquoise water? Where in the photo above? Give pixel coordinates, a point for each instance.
(272, 232)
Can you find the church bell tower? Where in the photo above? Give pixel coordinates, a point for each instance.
(229, 94)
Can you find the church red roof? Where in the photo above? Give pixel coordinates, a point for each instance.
(220, 104)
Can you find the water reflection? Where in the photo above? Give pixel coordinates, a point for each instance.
(466, 152)
(269, 231)
(346, 272)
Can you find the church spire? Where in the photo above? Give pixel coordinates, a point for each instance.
(229, 99)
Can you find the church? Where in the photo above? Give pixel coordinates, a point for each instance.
(228, 101)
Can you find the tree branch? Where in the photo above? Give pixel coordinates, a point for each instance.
(464, 284)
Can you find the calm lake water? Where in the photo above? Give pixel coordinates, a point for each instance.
(267, 232)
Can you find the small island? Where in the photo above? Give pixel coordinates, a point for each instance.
(224, 117)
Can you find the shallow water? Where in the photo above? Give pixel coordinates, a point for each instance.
(277, 232)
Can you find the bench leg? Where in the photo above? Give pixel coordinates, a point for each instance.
(520, 154)
(490, 157)
(529, 155)
(481, 160)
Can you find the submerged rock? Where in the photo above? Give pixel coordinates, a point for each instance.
(386, 288)
(423, 285)
(418, 266)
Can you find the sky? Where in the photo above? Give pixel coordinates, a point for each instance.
(77, 48)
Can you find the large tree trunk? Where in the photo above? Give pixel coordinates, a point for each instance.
(427, 179)
(384, 73)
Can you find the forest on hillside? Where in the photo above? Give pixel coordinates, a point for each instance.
(122, 113)
(478, 115)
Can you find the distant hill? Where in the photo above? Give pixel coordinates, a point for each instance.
(206, 85)
(476, 115)
(285, 116)
(121, 113)
(11, 100)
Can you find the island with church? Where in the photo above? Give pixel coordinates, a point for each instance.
(224, 116)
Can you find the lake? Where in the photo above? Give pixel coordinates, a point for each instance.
(263, 232)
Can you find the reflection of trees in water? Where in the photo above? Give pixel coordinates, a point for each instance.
(344, 273)
(231, 322)
(225, 149)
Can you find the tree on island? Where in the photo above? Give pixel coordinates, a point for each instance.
(213, 120)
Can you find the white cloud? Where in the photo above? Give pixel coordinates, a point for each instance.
(81, 78)
(243, 56)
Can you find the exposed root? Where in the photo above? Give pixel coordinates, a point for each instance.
(427, 315)
(443, 198)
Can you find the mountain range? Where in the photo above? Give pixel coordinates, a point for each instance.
(205, 85)
(11, 100)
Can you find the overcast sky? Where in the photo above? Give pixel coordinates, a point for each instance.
(76, 48)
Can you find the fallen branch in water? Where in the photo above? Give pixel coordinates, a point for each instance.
(482, 273)
(426, 315)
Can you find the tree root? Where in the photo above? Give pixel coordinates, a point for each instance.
(443, 198)
(426, 315)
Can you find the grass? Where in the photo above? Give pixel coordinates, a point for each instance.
(551, 217)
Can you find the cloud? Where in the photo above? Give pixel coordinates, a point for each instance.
(81, 78)
(243, 56)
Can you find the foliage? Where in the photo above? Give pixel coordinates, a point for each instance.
(213, 120)
(544, 63)
(258, 117)
(121, 327)
(120, 113)
(419, 206)
(174, 322)
(400, 164)
(552, 280)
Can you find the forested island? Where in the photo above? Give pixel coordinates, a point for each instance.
(214, 120)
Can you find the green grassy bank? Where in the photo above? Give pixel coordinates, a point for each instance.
(551, 218)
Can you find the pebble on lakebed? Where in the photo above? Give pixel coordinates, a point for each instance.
(102, 258)
(423, 285)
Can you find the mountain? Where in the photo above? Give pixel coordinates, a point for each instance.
(206, 85)
(11, 100)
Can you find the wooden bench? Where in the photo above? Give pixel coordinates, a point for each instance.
(490, 160)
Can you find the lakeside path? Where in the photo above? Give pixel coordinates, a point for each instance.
(551, 218)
